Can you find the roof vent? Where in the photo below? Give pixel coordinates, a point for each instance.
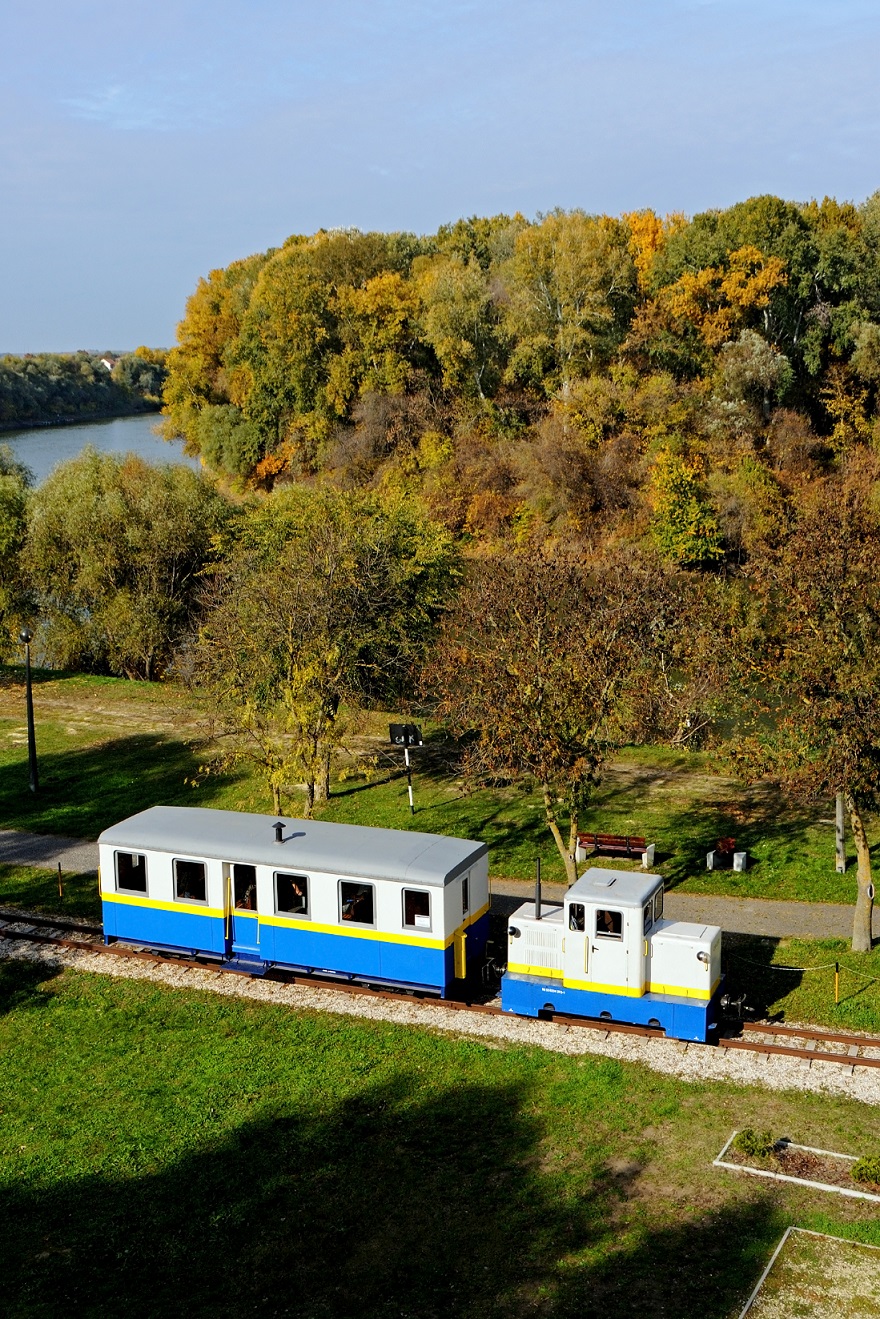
(606, 883)
(279, 831)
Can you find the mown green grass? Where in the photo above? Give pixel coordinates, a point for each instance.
(793, 980)
(169, 1152)
(35, 889)
(98, 765)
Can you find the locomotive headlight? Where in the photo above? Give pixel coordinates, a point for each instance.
(513, 932)
(703, 957)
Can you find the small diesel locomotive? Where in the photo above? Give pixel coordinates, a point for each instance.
(407, 910)
(607, 953)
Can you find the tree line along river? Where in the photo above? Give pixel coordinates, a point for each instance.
(43, 448)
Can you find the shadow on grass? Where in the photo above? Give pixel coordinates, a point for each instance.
(84, 790)
(19, 985)
(385, 1206)
(747, 963)
(35, 889)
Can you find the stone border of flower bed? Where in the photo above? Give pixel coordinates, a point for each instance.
(786, 1234)
(720, 1162)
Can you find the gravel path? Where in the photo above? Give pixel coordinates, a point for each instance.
(800, 920)
(688, 1062)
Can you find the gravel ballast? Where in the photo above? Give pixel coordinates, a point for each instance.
(688, 1062)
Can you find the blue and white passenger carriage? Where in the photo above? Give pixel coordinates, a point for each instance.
(378, 905)
(607, 952)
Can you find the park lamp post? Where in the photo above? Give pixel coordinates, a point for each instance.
(27, 637)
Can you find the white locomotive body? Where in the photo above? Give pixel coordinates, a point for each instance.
(608, 953)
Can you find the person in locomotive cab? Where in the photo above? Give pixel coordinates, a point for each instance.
(608, 924)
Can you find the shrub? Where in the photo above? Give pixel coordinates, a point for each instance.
(867, 1169)
(756, 1144)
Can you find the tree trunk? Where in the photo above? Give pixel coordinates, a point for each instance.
(566, 854)
(862, 933)
(839, 835)
(322, 786)
(310, 798)
(276, 799)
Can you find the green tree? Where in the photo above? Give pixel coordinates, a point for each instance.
(571, 286)
(819, 663)
(114, 554)
(325, 601)
(684, 524)
(15, 481)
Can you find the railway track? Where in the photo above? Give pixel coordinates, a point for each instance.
(768, 1039)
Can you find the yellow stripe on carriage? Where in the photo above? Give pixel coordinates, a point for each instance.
(291, 922)
(624, 991)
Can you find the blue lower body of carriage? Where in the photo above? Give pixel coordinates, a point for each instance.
(298, 947)
(681, 1018)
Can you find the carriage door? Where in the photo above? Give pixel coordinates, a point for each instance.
(576, 944)
(244, 930)
(608, 947)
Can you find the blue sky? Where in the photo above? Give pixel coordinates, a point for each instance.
(143, 144)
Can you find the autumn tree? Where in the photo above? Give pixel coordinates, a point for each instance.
(114, 554)
(819, 664)
(324, 601)
(544, 667)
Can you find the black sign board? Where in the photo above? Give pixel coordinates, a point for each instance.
(405, 735)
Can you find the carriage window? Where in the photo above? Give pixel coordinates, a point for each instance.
(244, 887)
(609, 924)
(190, 881)
(658, 904)
(576, 916)
(356, 903)
(416, 909)
(292, 894)
(131, 872)
(649, 915)
(465, 896)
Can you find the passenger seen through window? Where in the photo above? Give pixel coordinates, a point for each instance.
(190, 881)
(292, 894)
(609, 924)
(356, 902)
(576, 919)
(244, 887)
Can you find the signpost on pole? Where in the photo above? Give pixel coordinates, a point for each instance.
(406, 736)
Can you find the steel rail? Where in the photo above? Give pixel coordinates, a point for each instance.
(280, 976)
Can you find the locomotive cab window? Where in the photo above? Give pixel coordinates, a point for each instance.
(190, 881)
(416, 909)
(465, 896)
(291, 894)
(648, 915)
(577, 916)
(356, 903)
(658, 904)
(244, 887)
(609, 924)
(131, 872)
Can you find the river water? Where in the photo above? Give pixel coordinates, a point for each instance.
(43, 448)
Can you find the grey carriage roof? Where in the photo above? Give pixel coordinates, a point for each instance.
(614, 888)
(341, 849)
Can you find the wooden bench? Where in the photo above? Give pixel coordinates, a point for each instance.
(615, 845)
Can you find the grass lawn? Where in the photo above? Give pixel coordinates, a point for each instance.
(108, 748)
(167, 1153)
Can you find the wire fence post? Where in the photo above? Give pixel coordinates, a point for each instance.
(836, 982)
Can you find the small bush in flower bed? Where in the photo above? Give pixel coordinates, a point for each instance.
(754, 1144)
(867, 1170)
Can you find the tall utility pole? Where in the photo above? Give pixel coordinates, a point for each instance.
(29, 698)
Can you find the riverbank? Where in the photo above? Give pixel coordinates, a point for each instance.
(15, 427)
